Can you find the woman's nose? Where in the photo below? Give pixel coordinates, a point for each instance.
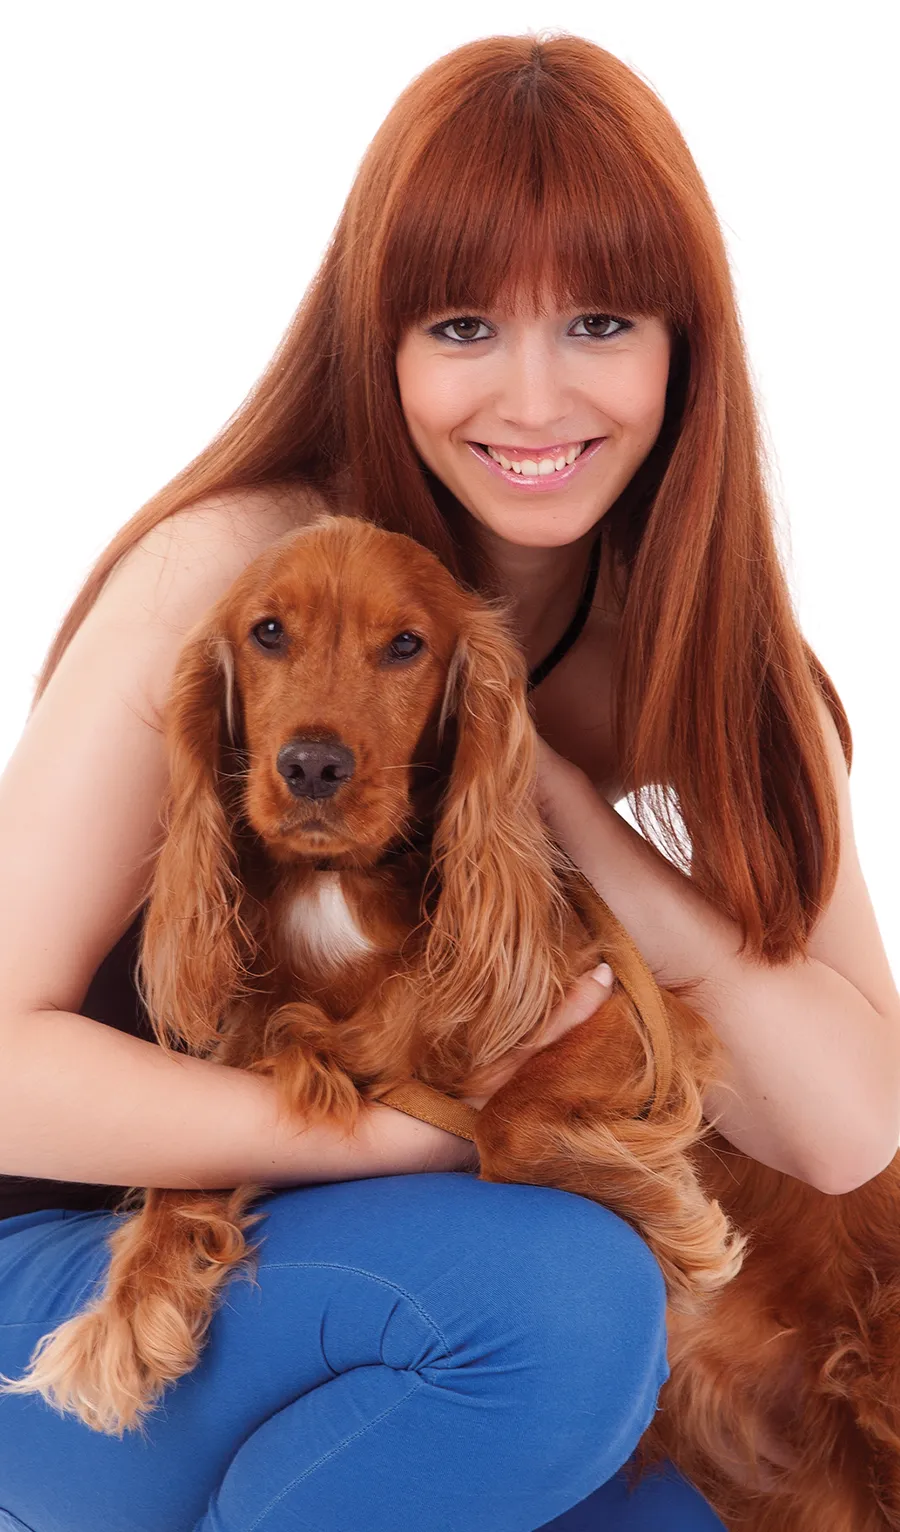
(534, 392)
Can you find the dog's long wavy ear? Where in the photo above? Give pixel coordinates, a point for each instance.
(196, 945)
(493, 950)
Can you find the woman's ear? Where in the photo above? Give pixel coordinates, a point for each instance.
(196, 944)
(493, 949)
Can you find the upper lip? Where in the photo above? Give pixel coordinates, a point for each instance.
(535, 451)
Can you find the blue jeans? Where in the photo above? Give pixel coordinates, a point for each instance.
(428, 1352)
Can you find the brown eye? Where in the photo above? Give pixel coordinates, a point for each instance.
(268, 634)
(461, 322)
(404, 646)
(604, 320)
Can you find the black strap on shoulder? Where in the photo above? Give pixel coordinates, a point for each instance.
(572, 632)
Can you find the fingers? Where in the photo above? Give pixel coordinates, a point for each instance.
(556, 777)
(582, 1000)
(591, 990)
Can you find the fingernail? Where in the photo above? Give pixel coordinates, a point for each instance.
(603, 975)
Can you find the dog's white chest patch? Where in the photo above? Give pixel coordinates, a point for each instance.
(319, 924)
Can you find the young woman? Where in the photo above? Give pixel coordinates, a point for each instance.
(523, 349)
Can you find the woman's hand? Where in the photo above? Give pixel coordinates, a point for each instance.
(577, 816)
(558, 782)
(584, 997)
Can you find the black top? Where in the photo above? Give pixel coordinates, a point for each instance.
(113, 999)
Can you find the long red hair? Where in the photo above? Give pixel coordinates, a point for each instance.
(512, 168)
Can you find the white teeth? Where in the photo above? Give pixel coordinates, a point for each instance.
(531, 469)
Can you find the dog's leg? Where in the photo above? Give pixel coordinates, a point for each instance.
(110, 1363)
(573, 1117)
(305, 1052)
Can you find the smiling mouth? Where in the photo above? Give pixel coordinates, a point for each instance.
(537, 470)
(525, 452)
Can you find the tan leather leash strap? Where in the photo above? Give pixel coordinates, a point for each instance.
(419, 1100)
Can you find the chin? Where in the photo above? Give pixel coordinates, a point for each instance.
(540, 527)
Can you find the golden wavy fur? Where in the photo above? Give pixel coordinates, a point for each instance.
(356, 888)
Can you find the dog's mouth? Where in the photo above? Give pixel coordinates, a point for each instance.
(315, 825)
(328, 841)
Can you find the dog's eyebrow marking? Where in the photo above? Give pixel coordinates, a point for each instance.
(320, 924)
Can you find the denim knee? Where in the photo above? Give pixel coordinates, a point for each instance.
(535, 1308)
(563, 1304)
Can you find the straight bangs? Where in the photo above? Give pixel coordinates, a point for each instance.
(535, 189)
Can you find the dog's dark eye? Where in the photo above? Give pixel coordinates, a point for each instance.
(268, 633)
(404, 646)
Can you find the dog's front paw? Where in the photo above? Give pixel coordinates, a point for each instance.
(309, 1075)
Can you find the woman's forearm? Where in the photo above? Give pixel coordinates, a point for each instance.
(811, 1060)
(80, 1101)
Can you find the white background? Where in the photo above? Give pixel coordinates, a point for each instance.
(174, 171)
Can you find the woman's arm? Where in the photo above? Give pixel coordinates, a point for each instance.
(80, 1101)
(814, 1044)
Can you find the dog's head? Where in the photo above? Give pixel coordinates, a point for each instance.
(335, 664)
(344, 695)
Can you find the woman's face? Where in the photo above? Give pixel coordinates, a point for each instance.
(534, 390)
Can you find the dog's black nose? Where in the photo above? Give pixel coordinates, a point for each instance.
(314, 769)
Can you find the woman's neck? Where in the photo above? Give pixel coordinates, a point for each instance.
(544, 584)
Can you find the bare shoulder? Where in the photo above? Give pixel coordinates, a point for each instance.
(178, 569)
(241, 520)
(219, 535)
